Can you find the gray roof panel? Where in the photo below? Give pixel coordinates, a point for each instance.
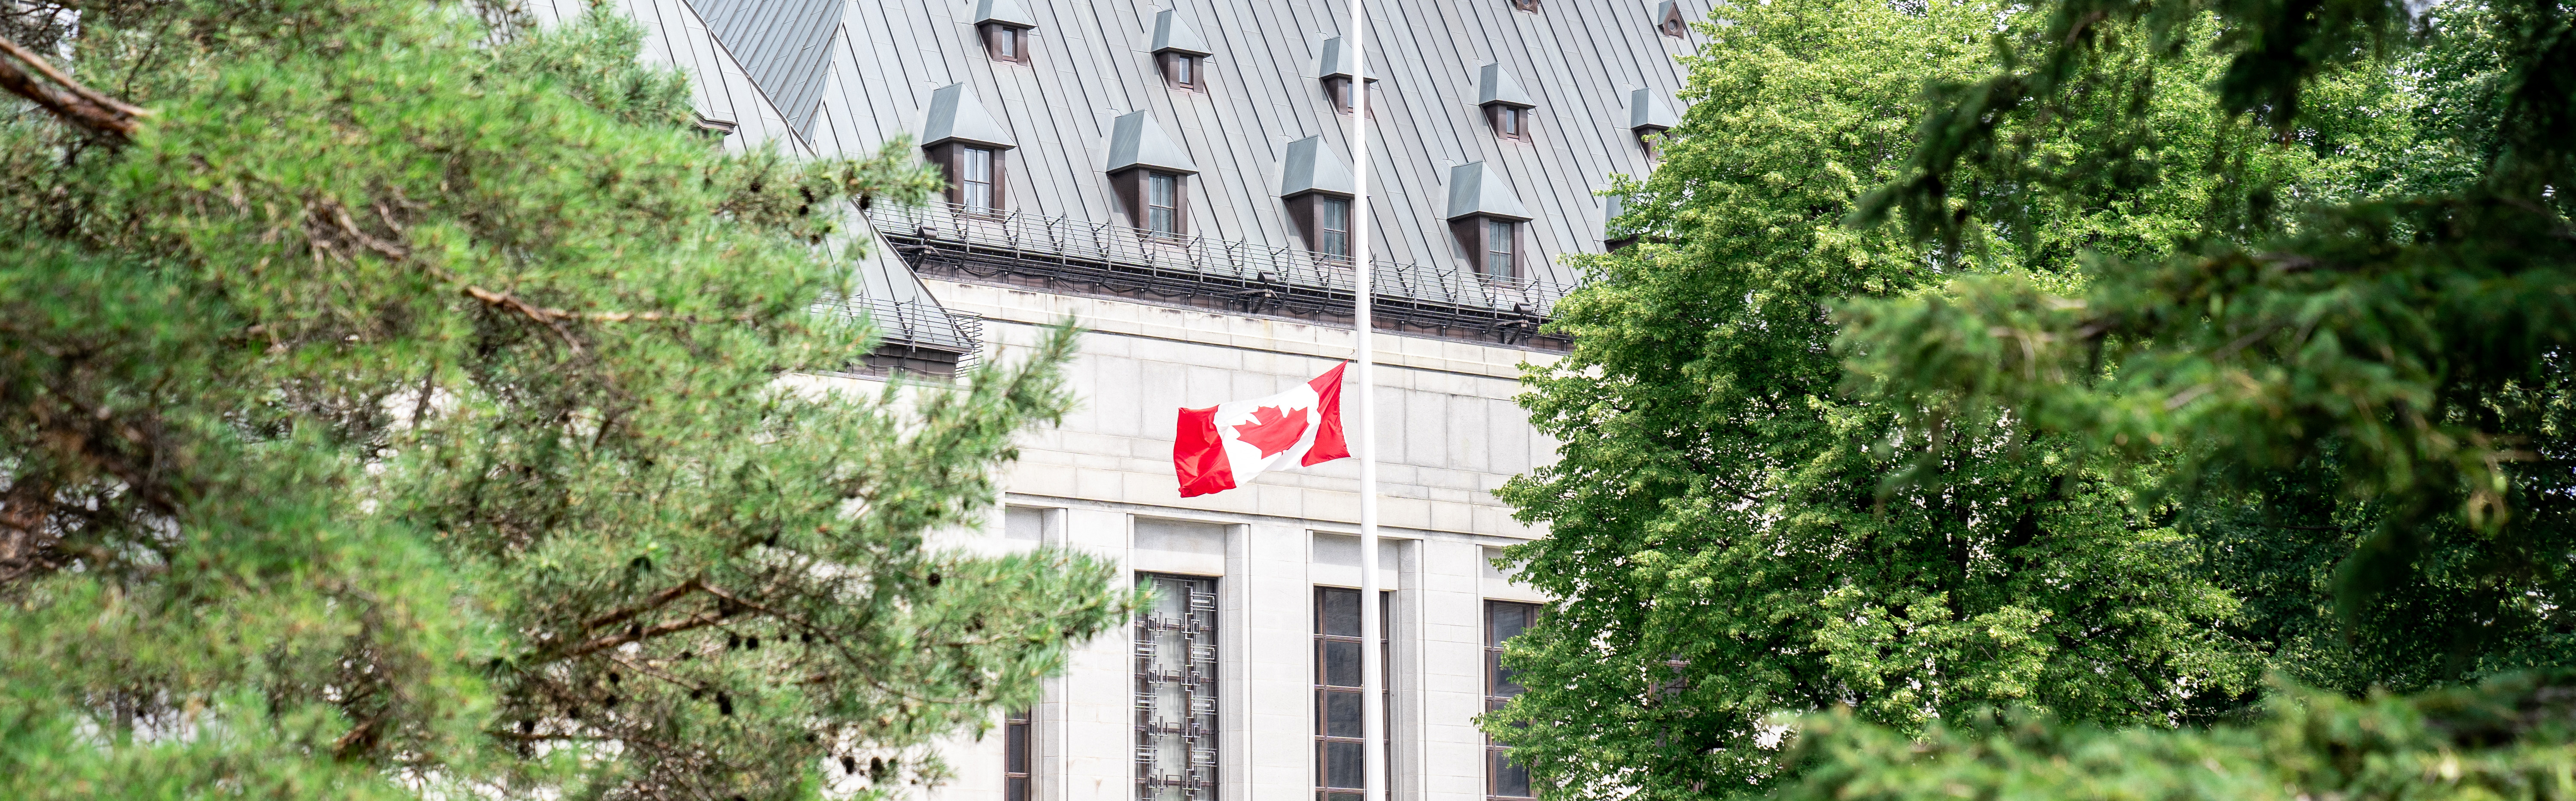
(1007, 12)
(1478, 189)
(1138, 141)
(1334, 62)
(784, 45)
(1312, 166)
(1495, 85)
(955, 115)
(1646, 109)
(1175, 34)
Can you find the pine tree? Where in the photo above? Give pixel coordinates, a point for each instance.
(398, 399)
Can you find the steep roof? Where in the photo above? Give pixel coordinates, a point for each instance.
(1175, 34)
(955, 115)
(1136, 140)
(1092, 63)
(784, 45)
(1476, 189)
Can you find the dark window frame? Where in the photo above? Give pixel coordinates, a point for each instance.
(1307, 211)
(1673, 25)
(995, 34)
(1499, 689)
(1337, 91)
(1475, 236)
(1182, 71)
(1518, 126)
(1134, 186)
(1016, 756)
(1530, 6)
(1324, 690)
(951, 158)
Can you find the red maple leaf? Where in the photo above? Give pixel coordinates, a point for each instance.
(1271, 430)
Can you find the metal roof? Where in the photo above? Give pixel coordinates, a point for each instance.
(782, 44)
(1175, 34)
(955, 115)
(1136, 140)
(1646, 109)
(1580, 62)
(1496, 86)
(1475, 189)
(1007, 12)
(1313, 166)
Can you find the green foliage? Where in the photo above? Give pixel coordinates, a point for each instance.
(1733, 535)
(2513, 738)
(2380, 384)
(401, 412)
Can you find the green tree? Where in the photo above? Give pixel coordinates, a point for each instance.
(2365, 408)
(1732, 535)
(394, 403)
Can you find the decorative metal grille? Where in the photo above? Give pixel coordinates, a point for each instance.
(1240, 275)
(1176, 691)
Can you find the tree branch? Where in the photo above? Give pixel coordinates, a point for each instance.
(67, 98)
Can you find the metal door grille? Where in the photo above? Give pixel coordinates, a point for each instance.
(1176, 693)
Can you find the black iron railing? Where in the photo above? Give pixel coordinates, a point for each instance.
(1244, 275)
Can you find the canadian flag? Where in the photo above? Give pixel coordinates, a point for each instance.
(1223, 446)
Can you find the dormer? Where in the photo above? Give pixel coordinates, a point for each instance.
(1004, 26)
(1179, 53)
(1668, 19)
(1150, 173)
(1614, 237)
(1334, 68)
(1317, 189)
(1507, 107)
(1647, 116)
(1488, 221)
(970, 147)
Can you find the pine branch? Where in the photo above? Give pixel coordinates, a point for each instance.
(67, 98)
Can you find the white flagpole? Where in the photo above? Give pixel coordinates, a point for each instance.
(1373, 751)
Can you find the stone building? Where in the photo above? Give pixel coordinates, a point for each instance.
(1176, 178)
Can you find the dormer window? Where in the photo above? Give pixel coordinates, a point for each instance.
(1507, 106)
(1530, 6)
(1004, 26)
(1487, 220)
(1333, 227)
(1179, 52)
(1668, 19)
(975, 179)
(1334, 68)
(1006, 43)
(1150, 173)
(1181, 71)
(1502, 250)
(1163, 203)
(1509, 122)
(971, 149)
(1648, 116)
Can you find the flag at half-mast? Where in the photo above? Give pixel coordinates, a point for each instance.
(1223, 446)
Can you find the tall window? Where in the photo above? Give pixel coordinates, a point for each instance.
(1499, 236)
(1163, 203)
(1176, 667)
(1341, 747)
(1015, 755)
(1333, 227)
(1511, 122)
(975, 178)
(1503, 620)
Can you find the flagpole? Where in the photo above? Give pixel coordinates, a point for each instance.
(1373, 751)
